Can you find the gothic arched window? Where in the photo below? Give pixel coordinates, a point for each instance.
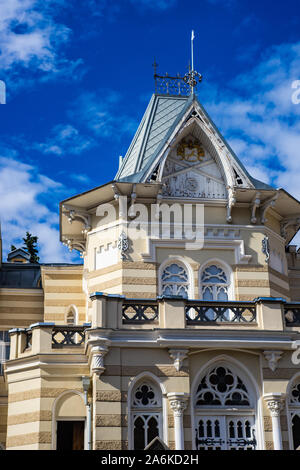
(214, 283)
(175, 280)
(225, 418)
(146, 411)
(294, 414)
(71, 319)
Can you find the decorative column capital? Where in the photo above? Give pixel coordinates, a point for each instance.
(178, 402)
(178, 356)
(275, 403)
(97, 363)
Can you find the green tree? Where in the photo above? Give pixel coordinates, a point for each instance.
(12, 247)
(31, 247)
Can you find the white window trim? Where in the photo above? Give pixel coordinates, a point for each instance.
(228, 271)
(255, 408)
(180, 261)
(163, 422)
(75, 311)
(291, 409)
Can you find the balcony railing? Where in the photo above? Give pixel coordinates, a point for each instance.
(115, 312)
(212, 312)
(139, 311)
(68, 336)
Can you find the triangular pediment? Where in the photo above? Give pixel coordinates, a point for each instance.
(190, 170)
(168, 120)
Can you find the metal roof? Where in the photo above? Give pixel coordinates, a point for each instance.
(162, 115)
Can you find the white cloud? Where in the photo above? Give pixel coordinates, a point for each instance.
(65, 139)
(22, 209)
(31, 39)
(257, 116)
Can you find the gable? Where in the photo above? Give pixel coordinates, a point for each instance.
(165, 119)
(191, 171)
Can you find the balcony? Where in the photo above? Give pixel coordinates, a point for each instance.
(113, 313)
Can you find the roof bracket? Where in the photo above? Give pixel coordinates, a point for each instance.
(73, 213)
(255, 204)
(231, 203)
(267, 205)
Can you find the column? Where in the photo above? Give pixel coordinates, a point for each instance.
(178, 403)
(275, 404)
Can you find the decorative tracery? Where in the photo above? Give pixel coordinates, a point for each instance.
(145, 396)
(221, 387)
(295, 394)
(175, 280)
(225, 418)
(146, 414)
(214, 283)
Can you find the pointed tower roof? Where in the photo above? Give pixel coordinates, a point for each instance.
(165, 116)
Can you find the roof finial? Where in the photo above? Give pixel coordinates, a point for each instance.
(192, 48)
(166, 84)
(192, 77)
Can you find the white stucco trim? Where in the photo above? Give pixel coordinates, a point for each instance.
(253, 388)
(228, 271)
(164, 421)
(177, 260)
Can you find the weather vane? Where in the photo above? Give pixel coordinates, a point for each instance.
(165, 84)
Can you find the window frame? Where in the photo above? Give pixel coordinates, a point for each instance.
(182, 263)
(229, 275)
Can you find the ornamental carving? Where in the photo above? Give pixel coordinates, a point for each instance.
(178, 406)
(145, 396)
(220, 386)
(190, 151)
(275, 407)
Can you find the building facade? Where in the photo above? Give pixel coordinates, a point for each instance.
(183, 321)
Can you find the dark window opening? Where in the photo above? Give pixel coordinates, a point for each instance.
(70, 435)
(296, 431)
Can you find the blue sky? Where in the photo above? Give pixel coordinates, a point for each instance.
(79, 76)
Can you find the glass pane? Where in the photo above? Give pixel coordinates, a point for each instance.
(139, 434)
(152, 429)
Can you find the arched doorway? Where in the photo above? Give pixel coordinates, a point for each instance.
(224, 410)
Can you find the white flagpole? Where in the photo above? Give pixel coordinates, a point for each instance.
(192, 44)
(192, 48)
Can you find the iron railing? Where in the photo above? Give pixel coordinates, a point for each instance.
(68, 336)
(199, 311)
(139, 311)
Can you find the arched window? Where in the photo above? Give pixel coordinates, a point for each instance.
(294, 413)
(214, 283)
(146, 414)
(175, 280)
(71, 316)
(225, 418)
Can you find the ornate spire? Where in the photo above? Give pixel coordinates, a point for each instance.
(178, 85)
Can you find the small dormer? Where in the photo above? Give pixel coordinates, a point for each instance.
(18, 256)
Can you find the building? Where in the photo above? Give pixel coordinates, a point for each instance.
(182, 323)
